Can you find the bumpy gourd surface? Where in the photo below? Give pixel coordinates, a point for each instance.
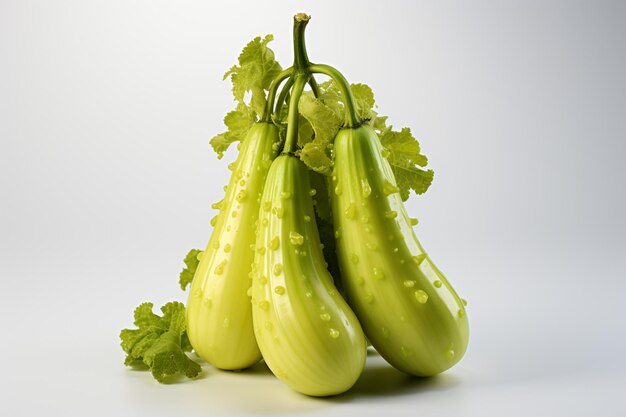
(408, 310)
(219, 316)
(309, 337)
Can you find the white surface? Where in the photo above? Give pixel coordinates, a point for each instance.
(106, 179)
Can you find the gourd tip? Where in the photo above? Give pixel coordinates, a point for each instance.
(301, 17)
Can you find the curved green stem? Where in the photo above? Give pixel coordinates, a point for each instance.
(282, 97)
(300, 58)
(314, 87)
(352, 118)
(269, 104)
(291, 138)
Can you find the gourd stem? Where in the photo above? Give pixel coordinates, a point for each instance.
(269, 104)
(291, 138)
(352, 118)
(300, 58)
(282, 97)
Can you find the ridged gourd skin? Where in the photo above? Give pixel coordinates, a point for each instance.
(408, 309)
(219, 315)
(309, 336)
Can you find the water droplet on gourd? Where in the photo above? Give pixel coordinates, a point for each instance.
(226, 323)
(461, 313)
(308, 294)
(267, 205)
(325, 317)
(366, 190)
(418, 259)
(421, 296)
(350, 211)
(216, 244)
(260, 250)
(280, 290)
(464, 301)
(249, 292)
(278, 268)
(234, 213)
(389, 188)
(437, 283)
(264, 305)
(391, 214)
(285, 195)
(214, 221)
(450, 354)
(227, 247)
(378, 273)
(334, 178)
(385, 332)
(413, 221)
(396, 250)
(338, 190)
(274, 243)
(279, 212)
(242, 182)
(263, 280)
(217, 205)
(371, 245)
(368, 297)
(219, 269)
(312, 192)
(365, 219)
(354, 258)
(409, 283)
(307, 218)
(231, 166)
(207, 302)
(241, 195)
(264, 222)
(225, 188)
(322, 247)
(334, 333)
(337, 234)
(406, 352)
(197, 293)
(200, 255)
(295, 238)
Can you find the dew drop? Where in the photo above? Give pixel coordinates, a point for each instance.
(366, 190)
(338, 190)
(391, 214)
(278, 268)
(371, 245)
(264, 222)
(378, 273)
(214, 221)
(464, 301)
(285, 195)
(219, 269)
(437, 283)
(231, 166)
(274, 243)
(242, 182)
(450, 354)
(241, 195)
(419, 258)
(325, 317)
(261, 250)
(334, 333)
(421, 296)
(389, 188)
(312, 192)
(280, 290)
(207, 302)
(264, 305)
(226, 323)
(217, 205)
(227, 247)
(295, 238)
(354, 258)
(413, 221)
(234, 214)
(267, 205)
(350, 211)
(263, 280)
(307, 218)
(461, 313)
(216, 244)
(337, 234)
(409, 283)
(406, 352)
(308, 294)
(279, 212)
(368, 297)
(365, 219)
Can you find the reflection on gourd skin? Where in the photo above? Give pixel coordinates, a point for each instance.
(309, 337)
(219, 316)
(408, 309)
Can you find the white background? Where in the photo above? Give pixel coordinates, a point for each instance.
(106, 178)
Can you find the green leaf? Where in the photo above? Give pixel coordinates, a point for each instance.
(364, 98)
(186, 275)
(238, 122)
(160, 342)
(255, 72)
(404, 155)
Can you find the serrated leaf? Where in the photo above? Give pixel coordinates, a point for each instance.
(314, 155)
(191, 265)
(238, 122)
